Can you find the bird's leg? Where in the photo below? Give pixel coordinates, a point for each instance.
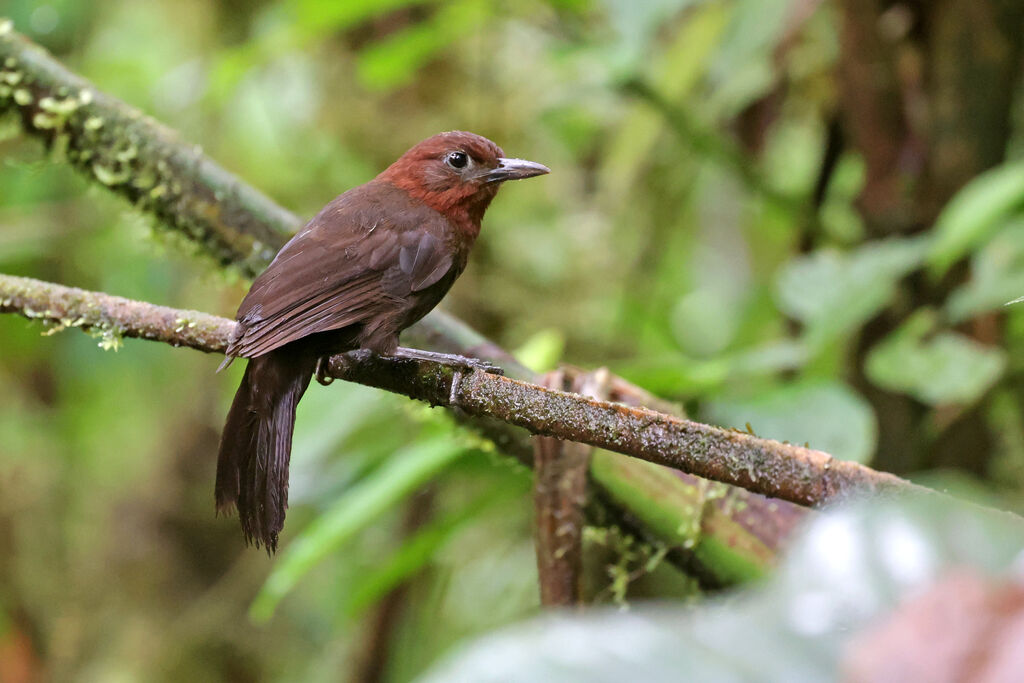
(459, 363)
(321, 375)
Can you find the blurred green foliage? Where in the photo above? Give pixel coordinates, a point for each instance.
(846, 571)
(664, 245)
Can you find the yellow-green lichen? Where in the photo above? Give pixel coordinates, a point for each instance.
(60, 107)
(633, 559)
(22, 97)
(44, 121)
(111, 339)
(110, 176)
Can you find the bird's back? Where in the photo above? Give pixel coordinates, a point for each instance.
(372, 262)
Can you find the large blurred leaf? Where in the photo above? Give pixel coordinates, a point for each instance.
(833, 292)
(997, 275)
(635, 23)
(405, 471)
(677, 374)
(417, 550)
(827, 416)
(975, 212)
(851, 566)
(675, 72)
(744, 66)
(944, 368)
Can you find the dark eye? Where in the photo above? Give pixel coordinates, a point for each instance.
(457, 159)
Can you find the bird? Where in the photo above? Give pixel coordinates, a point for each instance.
(372, 262)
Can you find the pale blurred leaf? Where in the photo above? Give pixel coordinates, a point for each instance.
(676, 374)
(851, 567)
(832, 292)
(743, 68)
(939, 368)
(997, 275)
(636, 22)
(827, 416)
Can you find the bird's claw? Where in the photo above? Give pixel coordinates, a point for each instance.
(454, 361)
(321, 371)
(471, 364)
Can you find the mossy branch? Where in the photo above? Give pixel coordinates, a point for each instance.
(118, 147)
(793, 473)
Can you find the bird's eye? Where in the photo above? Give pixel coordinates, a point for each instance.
(457, 159)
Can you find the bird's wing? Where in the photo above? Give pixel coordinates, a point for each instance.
(356, 261)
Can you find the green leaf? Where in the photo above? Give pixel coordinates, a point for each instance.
(324, 15)
(828, 415)
(997, 275)
(542, 351)
(971, 217)
(675, 374)
(833, 292)
(406, 471)
(937, 369)
(851, 566)
(394, 61)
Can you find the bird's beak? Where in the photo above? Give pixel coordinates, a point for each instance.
(515, 169)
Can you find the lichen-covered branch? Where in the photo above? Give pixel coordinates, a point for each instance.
(111, 317)
(793, 473)
(118, 147)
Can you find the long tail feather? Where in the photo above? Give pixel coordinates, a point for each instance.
(255, 447)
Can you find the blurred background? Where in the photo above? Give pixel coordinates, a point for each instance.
(793, 216)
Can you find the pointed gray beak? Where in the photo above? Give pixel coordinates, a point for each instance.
(515, 169)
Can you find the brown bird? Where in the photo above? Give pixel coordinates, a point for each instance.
(374, 260)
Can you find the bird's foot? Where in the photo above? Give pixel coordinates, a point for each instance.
(321, 375)
(458, 363)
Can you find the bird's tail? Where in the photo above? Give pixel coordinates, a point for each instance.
(256, 445)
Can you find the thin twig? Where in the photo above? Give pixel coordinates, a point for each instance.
(793, 473)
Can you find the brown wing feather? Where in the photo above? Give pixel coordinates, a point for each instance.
(354, 264)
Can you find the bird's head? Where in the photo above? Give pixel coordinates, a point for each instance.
(457, 173)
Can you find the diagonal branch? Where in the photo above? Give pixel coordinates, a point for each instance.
(793, 473)
(115, 145)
